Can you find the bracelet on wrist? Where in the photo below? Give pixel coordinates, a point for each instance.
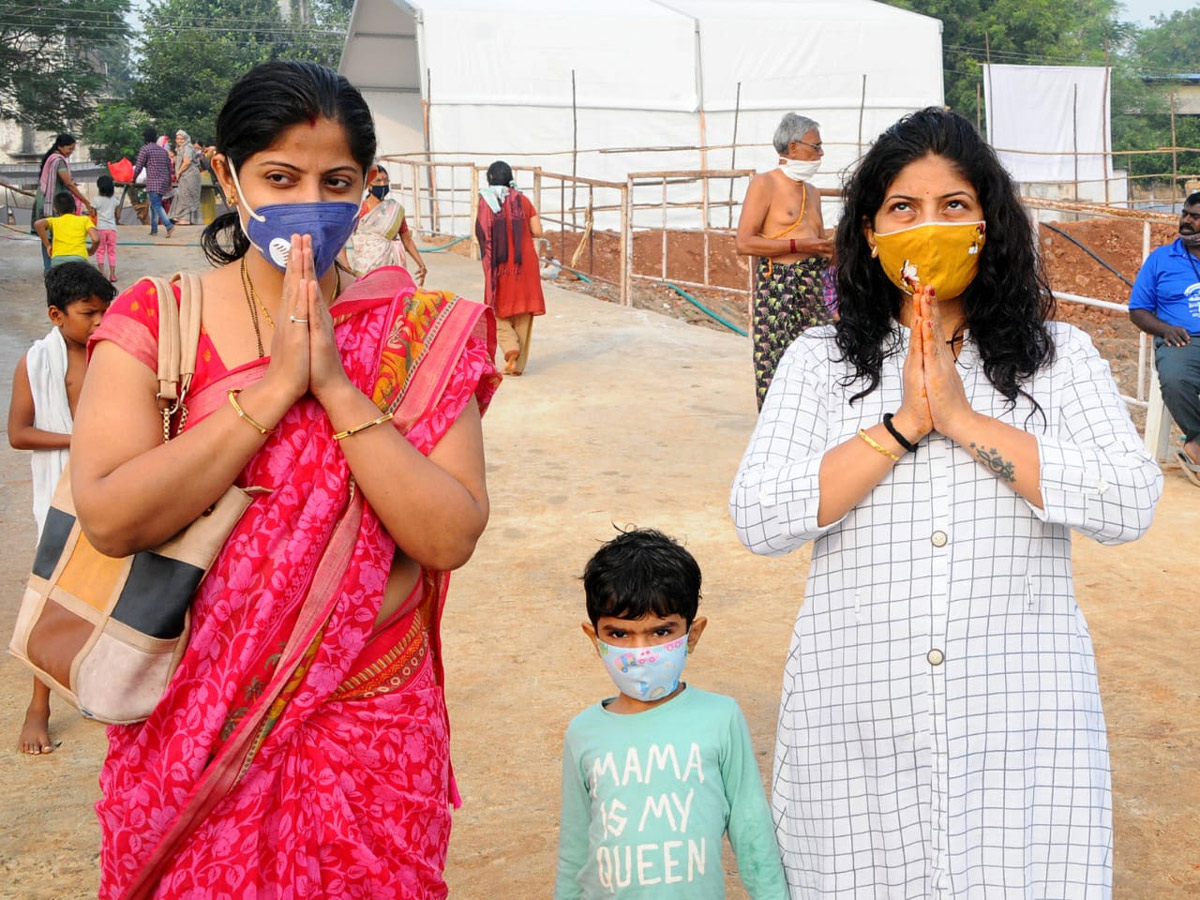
(341, 435)
(242, 414)
(894, 432)
(878, 447)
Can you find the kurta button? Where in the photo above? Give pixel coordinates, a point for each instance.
(936, 657)
(939, 538)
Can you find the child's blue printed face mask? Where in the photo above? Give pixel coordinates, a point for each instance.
(645, 673)
(270, 228)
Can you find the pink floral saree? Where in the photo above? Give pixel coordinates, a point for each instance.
(302, 750)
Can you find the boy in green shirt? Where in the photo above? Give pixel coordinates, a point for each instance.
(654, 777)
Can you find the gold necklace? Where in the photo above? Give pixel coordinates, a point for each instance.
(254, 294)
(248, 290)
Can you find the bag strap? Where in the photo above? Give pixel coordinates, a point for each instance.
(178, 341)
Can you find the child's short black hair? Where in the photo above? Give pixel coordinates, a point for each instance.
(104, 184)
(75, 281)
(642, 571)
(64, 203)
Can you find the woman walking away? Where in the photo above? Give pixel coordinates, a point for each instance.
(55, 177)
(302, 746)
(185, 209)
(506, 225)
(940, 733)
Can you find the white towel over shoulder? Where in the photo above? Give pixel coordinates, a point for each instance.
(46, 363)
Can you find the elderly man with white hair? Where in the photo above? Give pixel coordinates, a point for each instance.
(781, 225)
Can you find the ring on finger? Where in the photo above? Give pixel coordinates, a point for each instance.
(298, 320)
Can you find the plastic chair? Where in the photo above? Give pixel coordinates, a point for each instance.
(1158, 420)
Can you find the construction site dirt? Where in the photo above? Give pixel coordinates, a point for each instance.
(1069, 268)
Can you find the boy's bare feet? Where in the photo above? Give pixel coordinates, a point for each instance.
(35, 733)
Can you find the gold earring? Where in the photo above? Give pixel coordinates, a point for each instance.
(874, 251)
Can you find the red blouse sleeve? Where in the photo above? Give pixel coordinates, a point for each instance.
(131, 323)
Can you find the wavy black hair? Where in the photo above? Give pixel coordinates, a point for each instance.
(1006, 306)
(75, 281)
(642, 571)
(264, 102)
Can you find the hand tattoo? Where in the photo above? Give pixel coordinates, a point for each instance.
(994, 461)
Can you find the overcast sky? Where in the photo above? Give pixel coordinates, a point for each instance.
(1140, 11)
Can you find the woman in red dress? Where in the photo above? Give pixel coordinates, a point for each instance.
(506, 226)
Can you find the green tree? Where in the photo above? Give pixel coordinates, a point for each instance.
(1142, 117)
(194, 50)
(1020, 32)
(51, 66)
(114, 129)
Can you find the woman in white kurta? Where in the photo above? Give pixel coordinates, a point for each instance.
(940, 732)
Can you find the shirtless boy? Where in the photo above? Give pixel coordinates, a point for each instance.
(781, 225)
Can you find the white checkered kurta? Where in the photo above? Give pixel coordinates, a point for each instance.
(940, 732)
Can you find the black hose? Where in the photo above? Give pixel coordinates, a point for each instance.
(1088, 251)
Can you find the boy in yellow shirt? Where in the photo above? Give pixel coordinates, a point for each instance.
(74, 237)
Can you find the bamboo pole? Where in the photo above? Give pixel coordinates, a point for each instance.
(574, 150)
(862, 109)
(1174, 150)
(416, 175)
(737, 109)
(1106, 121)
(475, 250)
(664, 229)
(987, 49)
(1075, 136)
(704, 200)
(626, 241)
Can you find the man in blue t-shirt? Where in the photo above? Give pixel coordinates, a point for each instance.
(1165, 303)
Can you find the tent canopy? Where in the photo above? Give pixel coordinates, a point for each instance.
(531, 82)
(499, 73)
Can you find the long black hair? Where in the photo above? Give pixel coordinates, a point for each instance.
(1008, 303)
(64, 139)
(264, 102)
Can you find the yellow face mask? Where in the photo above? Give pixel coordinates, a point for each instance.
(942, 254)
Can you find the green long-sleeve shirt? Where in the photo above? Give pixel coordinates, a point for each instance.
(647, 798)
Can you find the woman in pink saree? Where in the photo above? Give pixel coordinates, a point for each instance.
(302, 748)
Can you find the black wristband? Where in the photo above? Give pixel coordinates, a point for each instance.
(900, 439)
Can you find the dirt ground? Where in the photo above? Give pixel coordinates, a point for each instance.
(623, 416)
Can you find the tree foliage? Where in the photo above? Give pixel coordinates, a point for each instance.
(114, 129)
(1018, 32)
(51, 57)
(195, 49)
(1171, 47)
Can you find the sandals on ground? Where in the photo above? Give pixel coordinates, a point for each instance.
(1190, 469)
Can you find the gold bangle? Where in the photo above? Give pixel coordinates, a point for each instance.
(242, 414)
(386, 417)
(875, 445)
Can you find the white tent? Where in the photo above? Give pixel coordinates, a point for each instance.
(531, 82)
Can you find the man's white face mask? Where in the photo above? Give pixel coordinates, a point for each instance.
(800, 169)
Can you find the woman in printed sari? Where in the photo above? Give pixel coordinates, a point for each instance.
(302, 746)
(54, 177)
(187, 182)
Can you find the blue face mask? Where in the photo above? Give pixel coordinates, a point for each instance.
(270, 228)
(645, 673)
